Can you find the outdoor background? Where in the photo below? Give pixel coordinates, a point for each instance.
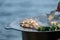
(10, 10)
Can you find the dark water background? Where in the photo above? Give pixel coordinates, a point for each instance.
(12, 9)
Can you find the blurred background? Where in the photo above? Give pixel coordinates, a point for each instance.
(10, 10)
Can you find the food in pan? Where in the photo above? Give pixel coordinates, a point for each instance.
(50, 28)
(58, 25)
(29, 23)
(53, 23)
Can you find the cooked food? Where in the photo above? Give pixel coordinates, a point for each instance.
(29, 23)
(50, 28)
(58, 25)
(53, 23)
(41, 28)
